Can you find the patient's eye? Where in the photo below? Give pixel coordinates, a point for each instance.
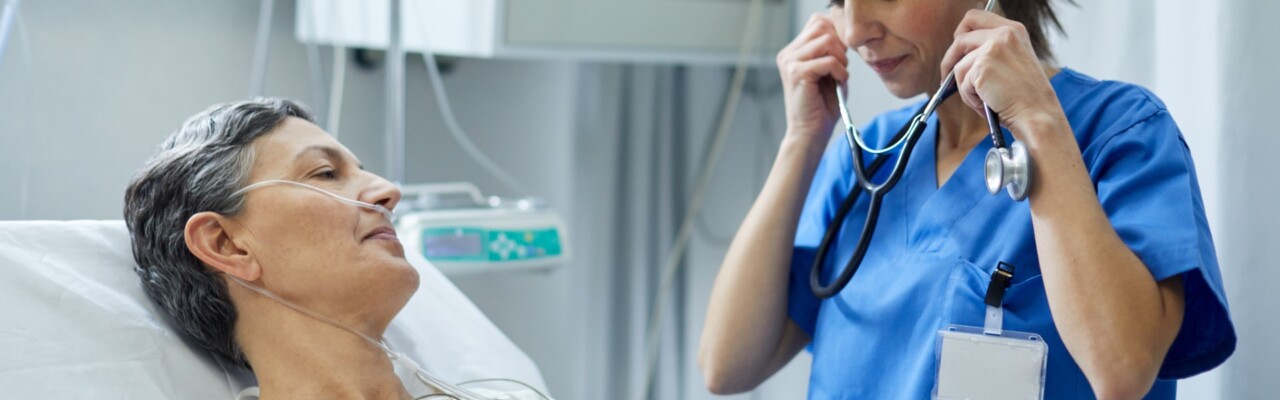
(836, 3)
(326, 174)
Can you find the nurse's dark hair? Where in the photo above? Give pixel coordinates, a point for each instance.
(197, 169)
(1038, 16)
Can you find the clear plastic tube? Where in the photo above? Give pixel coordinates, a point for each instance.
(376, 208)
(395, 356)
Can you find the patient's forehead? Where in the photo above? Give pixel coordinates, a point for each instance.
(295, 143)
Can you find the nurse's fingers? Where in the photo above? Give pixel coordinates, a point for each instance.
(981, 19)
(963, 45)
(979, 28)
(961, 56)
(825, 45)
(967, 79)
(812, 71)
(819, 24)
(802, 48)
(816, 41)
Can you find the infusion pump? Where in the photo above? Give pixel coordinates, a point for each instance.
(460, 231)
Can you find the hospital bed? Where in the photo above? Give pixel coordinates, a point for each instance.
(74, 323)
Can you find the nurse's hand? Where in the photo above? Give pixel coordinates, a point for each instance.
(811, 65)
(995, 63)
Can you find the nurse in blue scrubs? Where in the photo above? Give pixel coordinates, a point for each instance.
(1115, 265)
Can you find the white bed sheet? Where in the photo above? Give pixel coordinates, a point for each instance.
(74, 323)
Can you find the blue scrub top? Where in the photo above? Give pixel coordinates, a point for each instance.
(934, 249)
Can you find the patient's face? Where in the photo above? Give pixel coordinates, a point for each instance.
(333, 258)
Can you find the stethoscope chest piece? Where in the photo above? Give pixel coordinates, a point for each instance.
(1009, 168)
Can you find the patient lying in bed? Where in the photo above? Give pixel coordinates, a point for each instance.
(230, 266)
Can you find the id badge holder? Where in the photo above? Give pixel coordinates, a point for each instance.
(990, 363)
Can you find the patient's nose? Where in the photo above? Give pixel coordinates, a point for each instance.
(381, 192)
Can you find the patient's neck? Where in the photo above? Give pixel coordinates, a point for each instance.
(297, 357)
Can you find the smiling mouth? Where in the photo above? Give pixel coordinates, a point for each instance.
(887, 65)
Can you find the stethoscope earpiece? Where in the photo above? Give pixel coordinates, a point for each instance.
(1009, 168)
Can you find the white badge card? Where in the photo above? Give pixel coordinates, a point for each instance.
(973, 365)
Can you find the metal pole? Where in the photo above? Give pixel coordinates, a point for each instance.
(395, 98)
(6, 21)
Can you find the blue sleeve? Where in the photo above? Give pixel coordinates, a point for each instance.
(830, 186)
(1147, 185)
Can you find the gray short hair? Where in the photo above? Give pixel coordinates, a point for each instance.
(197, 169)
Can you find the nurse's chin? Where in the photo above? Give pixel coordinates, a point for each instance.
(903, 91)
(904, 85)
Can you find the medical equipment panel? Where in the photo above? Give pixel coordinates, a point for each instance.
(472, 234)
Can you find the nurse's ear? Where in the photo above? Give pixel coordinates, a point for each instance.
(211, 238)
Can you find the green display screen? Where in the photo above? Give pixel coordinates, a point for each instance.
(463, 244)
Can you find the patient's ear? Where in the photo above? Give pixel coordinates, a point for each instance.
(209, 238)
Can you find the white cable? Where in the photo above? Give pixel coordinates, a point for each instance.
(258, 76)
(671, 262)
(336, 86)
(455, 130)
(316, 73)
(338, 80)
(451, 122)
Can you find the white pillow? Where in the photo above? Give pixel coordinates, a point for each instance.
(74, 323)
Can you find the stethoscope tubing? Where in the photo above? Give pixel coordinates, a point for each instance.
(1019, 165)
(911, 133)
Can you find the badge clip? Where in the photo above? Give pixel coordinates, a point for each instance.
(1001, 278)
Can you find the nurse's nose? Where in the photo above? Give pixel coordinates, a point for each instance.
(861, 24)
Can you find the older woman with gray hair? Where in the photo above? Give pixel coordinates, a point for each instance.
(233, 267)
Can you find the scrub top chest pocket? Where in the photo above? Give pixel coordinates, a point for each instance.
(1024, 301)
(987, 362)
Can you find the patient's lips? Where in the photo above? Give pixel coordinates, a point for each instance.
(383, 233)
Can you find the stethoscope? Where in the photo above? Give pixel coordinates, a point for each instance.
(1007, 167)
